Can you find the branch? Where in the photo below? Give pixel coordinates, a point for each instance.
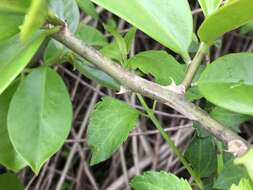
(235, 143)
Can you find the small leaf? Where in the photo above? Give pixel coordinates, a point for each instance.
(225, 79)
(229, 119)
(247, 161)
(247, 28)
(14, 56)
(110, 124)
(209, 6)
(34, 19)
(159, 64)
(231, 174)
(159, 181)
(88, 7)
(112, 50)
(229, 17)
(244, 184)
(68, 11)
(95, 74)
(91, 35)
(167, 22)
(9, 181)
(39, 117)
(201, 154)
(8, 156)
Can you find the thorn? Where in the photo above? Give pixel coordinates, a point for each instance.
(123, 90)
(179, 89)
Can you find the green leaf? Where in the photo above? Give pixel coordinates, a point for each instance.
(225, 79)
(14, 56)
(247, 28)
(91, 35)
(159, 181)
(10, 181)
(229, 119)
(119, 41)
(9, 24)
(231, 174)
(244, 184)
(88, 7)
(159, 64)
(95, 74)
(68, 11)
(201, 154)
(39, 117)
(17, 6)
(167, 22)
(112, 50)
(229, 17)
(34, 19)
(8, 156)
(109, 126)
(247, 161)
(209, 6)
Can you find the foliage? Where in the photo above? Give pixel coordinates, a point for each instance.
(35, 106)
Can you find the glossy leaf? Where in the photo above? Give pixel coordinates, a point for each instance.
(91, 35)
(247, 161)
(229, 119)
(68, 11)
(14, 56)
(168, 22)
(244, 184)
(88, 7)
(201, 154)
(160, 65)
(8, 156)
(97, 75)
(109, 126)
(209, 6)
(39, 131)
(10, 181)
(231, 174)
(34, 19)
(229, 17)
(228, 83)
(9, 24)
(159, 181)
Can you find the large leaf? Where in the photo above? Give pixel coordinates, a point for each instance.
(228, 82)
(8, 156)
(14, 56)
(231, 16)
(159, 64)
(159, 181)
(39, 117)
(244, 184)
(9, 24)
(247, 161)
(18, 6)
(231, 174)
(201, 154)
(34, 19)
(9, 181)
(109, 127)
(166, 21)
(68, 11)
(229, 119)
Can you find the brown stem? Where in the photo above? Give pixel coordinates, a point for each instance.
(154, 91)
